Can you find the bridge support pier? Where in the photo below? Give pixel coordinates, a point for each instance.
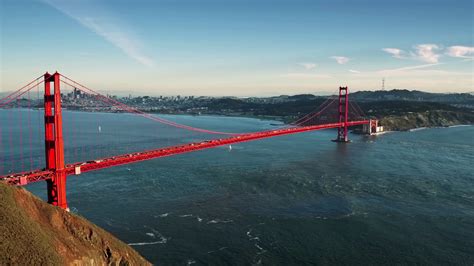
(54, 143)
(343, 115)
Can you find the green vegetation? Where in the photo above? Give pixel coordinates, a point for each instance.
(22, 240)
(36, 233)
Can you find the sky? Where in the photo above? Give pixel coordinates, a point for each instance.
(240, 47)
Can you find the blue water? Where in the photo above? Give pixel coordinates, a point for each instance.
(398, 198)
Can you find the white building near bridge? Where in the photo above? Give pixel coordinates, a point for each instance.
(372, 128)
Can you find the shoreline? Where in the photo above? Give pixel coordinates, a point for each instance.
(279, 119)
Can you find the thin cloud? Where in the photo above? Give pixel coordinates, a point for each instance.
(397, 71)
(308, 66)
(105, 26)
(306, 76)
(402, 69)
(427, 53)
(395, 52)
(341, 59)
(422, 52)
(460, 51)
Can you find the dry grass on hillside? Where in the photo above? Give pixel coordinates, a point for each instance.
(33, 232)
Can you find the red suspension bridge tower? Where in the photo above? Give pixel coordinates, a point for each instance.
(54, 143)
(343, 114)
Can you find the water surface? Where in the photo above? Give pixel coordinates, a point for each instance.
(399, 198)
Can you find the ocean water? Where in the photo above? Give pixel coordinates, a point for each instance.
(398, 198)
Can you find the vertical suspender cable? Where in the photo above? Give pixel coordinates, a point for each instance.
(20, 123)
(39, 121)
(10, 140)
(30, 133)
(2, 164)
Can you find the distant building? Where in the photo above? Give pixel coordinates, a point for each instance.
(372, 128)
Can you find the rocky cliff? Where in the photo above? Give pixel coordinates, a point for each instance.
(33, 232)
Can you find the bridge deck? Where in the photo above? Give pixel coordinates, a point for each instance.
(71, 169)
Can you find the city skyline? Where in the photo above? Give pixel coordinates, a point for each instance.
(240, 48)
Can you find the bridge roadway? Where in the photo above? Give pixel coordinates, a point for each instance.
(24, 178)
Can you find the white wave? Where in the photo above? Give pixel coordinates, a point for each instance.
(164, 215)
(219, 221)
(186, 215)
(154, 234)
(163, 241)
(261, 250)
(199, 219)
(251, 237)
(191, 262)
(417, 129)
(248, 233)
(321, 217)
(220, 249)
(460, 126)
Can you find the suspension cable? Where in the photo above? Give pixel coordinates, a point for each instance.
(318, 113)
(19, 95)
(20, 89)
(141, 113)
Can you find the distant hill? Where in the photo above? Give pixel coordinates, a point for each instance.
(414, 95)
(397, 109)
(457, 99)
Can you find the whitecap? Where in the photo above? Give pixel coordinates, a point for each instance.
(219, 221)
(220, 249)
(155, 234)
(461, 126)
(162, 241)
(73, 210)
(417, 129)
(262, 250)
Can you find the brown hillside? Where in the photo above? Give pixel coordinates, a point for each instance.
(33, 232)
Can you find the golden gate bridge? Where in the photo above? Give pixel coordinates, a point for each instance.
(335, 112)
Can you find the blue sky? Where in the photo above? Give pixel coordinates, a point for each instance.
(240, 47)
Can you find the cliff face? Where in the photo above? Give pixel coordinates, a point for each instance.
(33, 232)
(426, 119)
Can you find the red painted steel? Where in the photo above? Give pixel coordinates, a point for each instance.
(49, 133)
(54, 144)
(70, 169)
(343, 114)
